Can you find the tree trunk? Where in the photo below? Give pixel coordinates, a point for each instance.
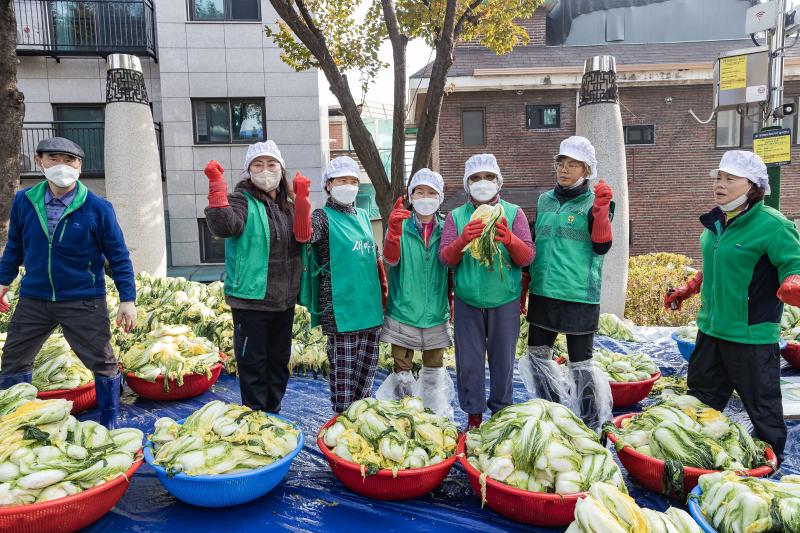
(429, 120)
(302, 26)
(399, 47)
(12, 113)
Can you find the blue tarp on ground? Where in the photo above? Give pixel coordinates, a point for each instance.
(312, 499)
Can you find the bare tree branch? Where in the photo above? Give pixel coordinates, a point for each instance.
(465, 16)
(399, 46)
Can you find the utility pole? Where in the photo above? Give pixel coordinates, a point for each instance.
(773, 118)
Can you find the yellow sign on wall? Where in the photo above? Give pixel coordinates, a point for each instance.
(774, 146)
(733, 73)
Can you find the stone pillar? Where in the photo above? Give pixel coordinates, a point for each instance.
(598, 119)
(133, 165)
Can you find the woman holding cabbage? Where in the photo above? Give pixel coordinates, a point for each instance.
(751, 266)
(262, 269)
(487, 285)
(417, 308)
(573, 232)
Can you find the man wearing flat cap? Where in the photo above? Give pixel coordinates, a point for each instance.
(63, 234)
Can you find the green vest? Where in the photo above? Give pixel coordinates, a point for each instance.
(565, 266)
(247, 256)
(418, 283)
(355, 288)
(730, 258)
(475, 284)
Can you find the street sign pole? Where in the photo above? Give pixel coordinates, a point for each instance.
(773, 118)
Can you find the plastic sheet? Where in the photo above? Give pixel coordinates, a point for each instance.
(590, 393)
(435, 387)
(543, 377)
(312, 499)
(396, 386)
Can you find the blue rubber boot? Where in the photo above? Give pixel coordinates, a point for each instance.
(107, 390)
(7, 380)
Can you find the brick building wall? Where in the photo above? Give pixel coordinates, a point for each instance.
(336, 134)
(668, 182)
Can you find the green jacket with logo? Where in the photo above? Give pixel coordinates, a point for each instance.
(744, 263)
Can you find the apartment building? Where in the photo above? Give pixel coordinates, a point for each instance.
(215, 82)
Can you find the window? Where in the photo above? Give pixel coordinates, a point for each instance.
(472, 127)
(209, 10)
(83, 124)
(640, 134)
(735, 130)
(212, 249)
(228, 121)
(542, 116)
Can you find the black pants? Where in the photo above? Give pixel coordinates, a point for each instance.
(717, 367)
(579, 347)
(262, 342)
(85, 325)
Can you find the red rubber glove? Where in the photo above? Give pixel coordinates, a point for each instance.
(789, 291)
(601, 228)
(217, 188)
(523, 299)
(691, 288)
(391, 245)
(455, 250)
(520, 252)
(383, 282)
(302, 208)
(4, 305)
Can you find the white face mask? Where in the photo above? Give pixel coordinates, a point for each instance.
(267, 180)
(734, 204)
(483, 191)
(576, 184)
(62, 175)
(425, 206)
(344, 194)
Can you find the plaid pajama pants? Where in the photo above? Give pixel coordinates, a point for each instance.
(353, 358)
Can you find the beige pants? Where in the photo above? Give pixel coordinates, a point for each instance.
(404, 357)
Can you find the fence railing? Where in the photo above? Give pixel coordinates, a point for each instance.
(85, 27)
(90, 137)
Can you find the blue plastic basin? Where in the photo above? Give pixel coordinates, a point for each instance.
(687, 347)
(224, 490)
(697, 514)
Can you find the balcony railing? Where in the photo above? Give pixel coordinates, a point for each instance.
(90, 137)
(85, 27)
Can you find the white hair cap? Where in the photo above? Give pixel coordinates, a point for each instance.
(269, 149)
(482, 163)
(745, 165)
(580, 149)
(426, 176)
(340, 167)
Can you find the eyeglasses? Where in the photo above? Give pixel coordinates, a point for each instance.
(558, 165)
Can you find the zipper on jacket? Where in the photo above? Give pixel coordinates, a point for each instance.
(63, 229)
(89, 270)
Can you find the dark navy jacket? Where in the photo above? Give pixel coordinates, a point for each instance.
(69, 265)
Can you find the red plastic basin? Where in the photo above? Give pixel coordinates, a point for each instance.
(193, 385)
(649, 471)
(82, 398)
(632, 392)
(384, 485)
(67, 514)
(534, 508)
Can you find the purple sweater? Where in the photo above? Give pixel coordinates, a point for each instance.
(520, 228)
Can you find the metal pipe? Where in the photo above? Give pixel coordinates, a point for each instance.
(776, 42)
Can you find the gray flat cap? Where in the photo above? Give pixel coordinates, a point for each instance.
(59, 145)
